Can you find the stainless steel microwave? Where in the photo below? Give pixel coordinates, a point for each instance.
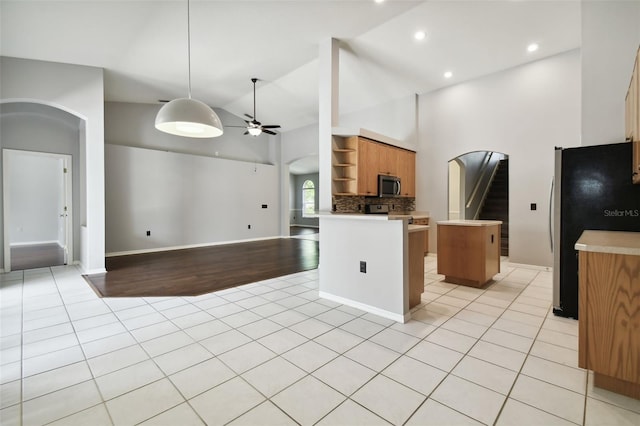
(388, 186)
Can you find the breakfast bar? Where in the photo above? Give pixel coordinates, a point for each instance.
(372, 262)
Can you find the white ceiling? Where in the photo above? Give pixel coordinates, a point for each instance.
(142, 45)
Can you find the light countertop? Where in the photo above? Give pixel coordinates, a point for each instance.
(470, 222)
(616, 242)
(365, 216)
(418, 228)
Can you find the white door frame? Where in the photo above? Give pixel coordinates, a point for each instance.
(7, 155)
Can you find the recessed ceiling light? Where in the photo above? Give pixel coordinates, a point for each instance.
(379, 1)
(420, 35)
(532, 47)
(448, 74)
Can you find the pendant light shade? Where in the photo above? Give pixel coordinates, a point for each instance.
(190, 118)
(185, 116)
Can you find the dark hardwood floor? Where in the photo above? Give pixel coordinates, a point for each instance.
(302, 230)
(36, 256)
(192, 272)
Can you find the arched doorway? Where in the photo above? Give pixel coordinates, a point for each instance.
(304, 191)
(38, 140)
(479, 189)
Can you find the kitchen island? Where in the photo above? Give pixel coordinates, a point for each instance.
(366, 262)
(609, 309)
(469, 251)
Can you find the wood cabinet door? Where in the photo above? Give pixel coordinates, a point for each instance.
(407, 172)
(368, 161)
(609, 314)
(389, 157)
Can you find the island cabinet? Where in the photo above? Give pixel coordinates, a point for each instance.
(469, 251)
(609, 309)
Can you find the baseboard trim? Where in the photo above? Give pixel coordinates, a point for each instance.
(367, 308)
(187, 246)
(35, 243)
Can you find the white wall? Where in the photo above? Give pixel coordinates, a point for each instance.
(396, 119)
(523, 112)
(383, 245)
(134, 125)
(36, 184)
(186, 200)
(80, 91)
(610, 40)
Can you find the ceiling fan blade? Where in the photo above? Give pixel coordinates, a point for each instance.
(239, 127)
(268, 131)
(271, 126)
(246, 133)
(250, 116)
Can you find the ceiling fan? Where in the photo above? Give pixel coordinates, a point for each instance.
(254, 127)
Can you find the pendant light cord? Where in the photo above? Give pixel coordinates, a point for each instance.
(189, 42)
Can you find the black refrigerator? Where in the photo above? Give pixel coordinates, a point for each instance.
(592, 189)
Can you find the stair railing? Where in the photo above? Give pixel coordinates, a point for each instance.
(479, 184)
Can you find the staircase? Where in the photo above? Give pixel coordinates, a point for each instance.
(496, 205)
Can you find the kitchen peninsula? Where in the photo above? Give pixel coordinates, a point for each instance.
(369, 262)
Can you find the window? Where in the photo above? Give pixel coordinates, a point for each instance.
(308, 198)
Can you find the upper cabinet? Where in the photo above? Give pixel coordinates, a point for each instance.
(632, 118)
(357, 162)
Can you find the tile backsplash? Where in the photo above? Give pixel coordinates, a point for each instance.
(355, 204)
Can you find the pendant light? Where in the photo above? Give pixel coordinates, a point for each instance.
(185, 116)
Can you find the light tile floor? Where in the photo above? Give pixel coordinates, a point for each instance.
(274, 353)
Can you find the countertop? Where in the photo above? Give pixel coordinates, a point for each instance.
(418, 228)
(615, 242)
(364, 216)
(470, 222)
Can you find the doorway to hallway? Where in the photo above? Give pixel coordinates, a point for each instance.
(37, 201)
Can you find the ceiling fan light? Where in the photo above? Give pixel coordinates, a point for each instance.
(254, 131)
(189, 118)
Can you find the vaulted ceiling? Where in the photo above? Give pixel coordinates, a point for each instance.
(142, 46)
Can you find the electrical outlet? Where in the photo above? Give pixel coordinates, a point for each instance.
(534, 206)
(264, 206)
(248, 226)
(363, 266)
(148, 233)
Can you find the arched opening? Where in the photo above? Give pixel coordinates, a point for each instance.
(42, 148)
(304, 194)
(308, 198)
(479, 189)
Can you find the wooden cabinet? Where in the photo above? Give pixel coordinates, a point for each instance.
(369, 160)
(357, 162)
(423, 221)
(632, 118)
(416, 266)
(406, 171)
(609, 310)
(389, 158)
(344, 166)
(469, 251)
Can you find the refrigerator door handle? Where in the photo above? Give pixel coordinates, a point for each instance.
(551, 215)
